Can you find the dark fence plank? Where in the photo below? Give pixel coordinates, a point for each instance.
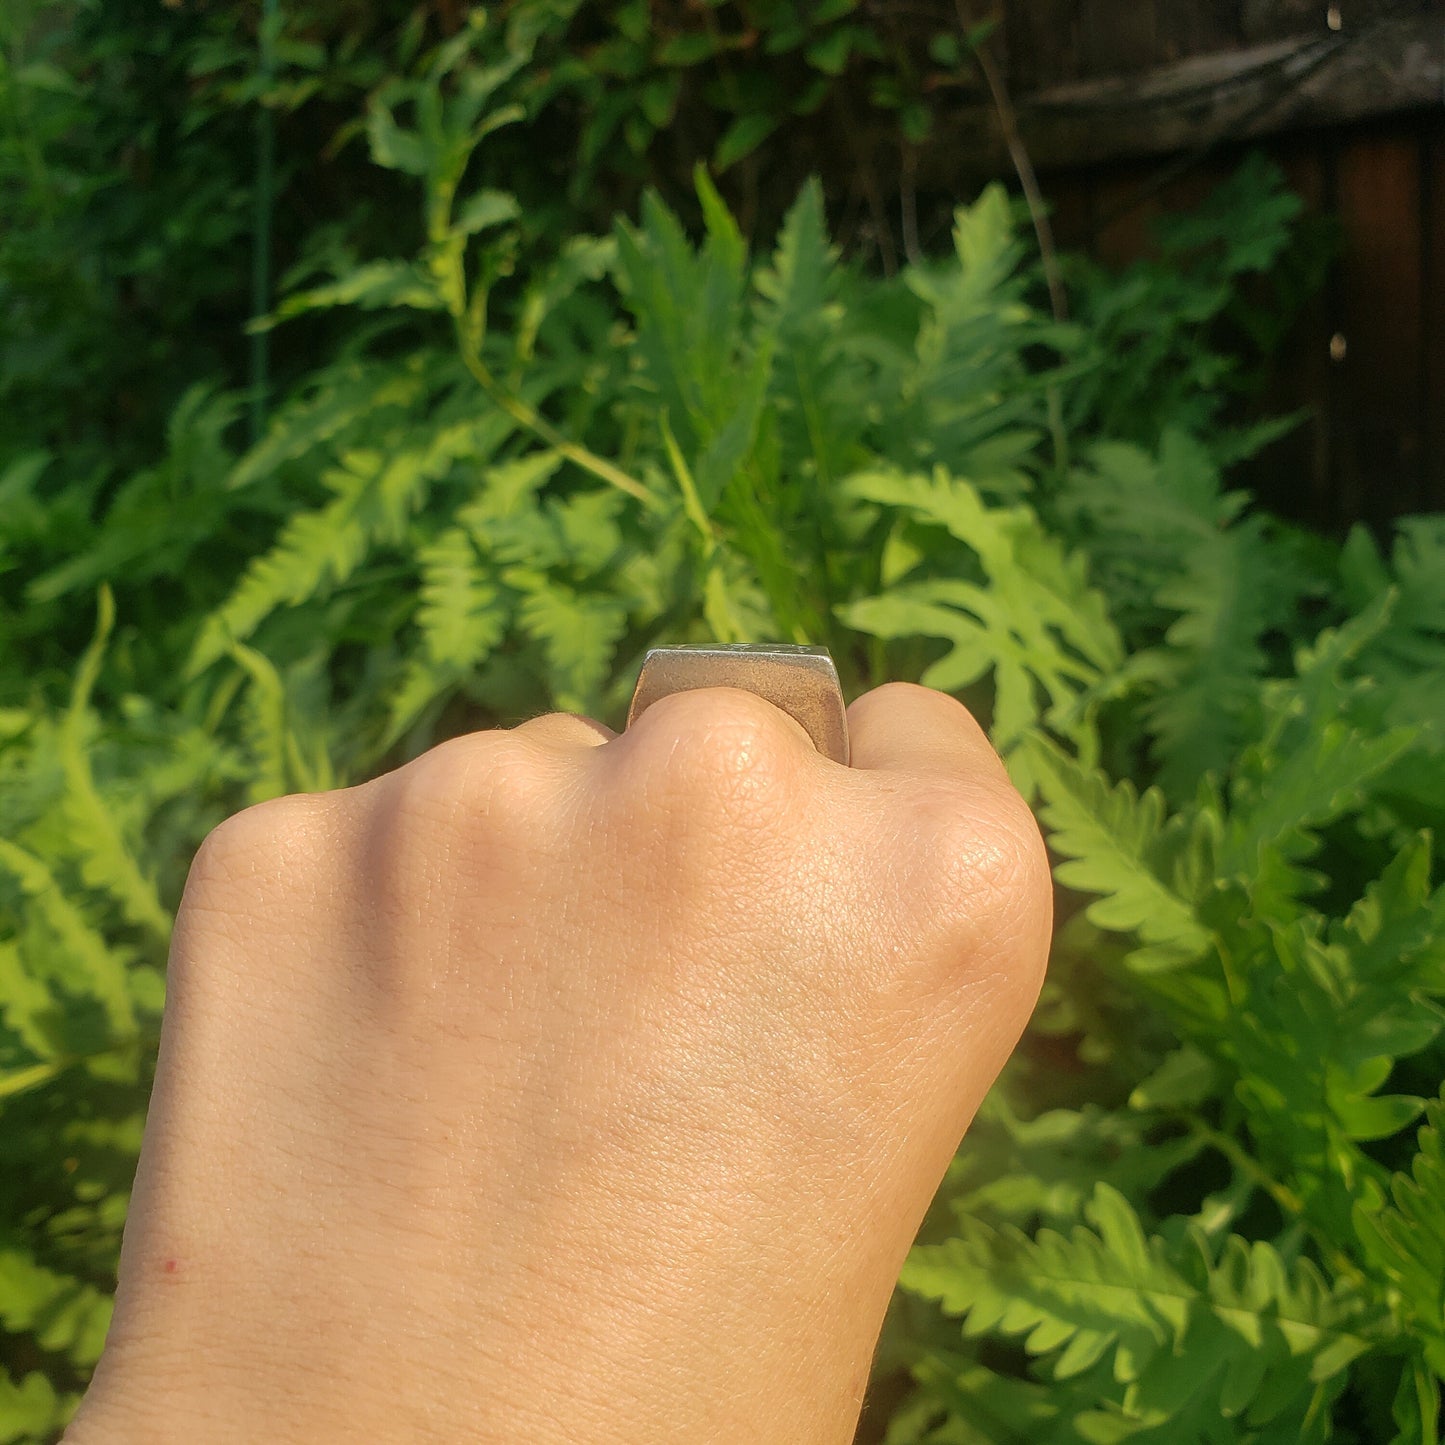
(1114, 38)
(1432, 400)
(1375, 410)
(1318, 78)
(1295, 475)
(1130, 108)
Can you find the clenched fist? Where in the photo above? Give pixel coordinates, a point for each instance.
(569, 1087)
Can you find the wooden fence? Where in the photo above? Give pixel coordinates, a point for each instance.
(1129, 108)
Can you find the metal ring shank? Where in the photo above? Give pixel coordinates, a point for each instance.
(802, 681)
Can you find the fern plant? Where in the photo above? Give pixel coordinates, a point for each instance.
(1205, 1201)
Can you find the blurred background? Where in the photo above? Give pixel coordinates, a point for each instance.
(372, 372)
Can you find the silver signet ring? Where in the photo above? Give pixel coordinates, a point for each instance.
(801, 680)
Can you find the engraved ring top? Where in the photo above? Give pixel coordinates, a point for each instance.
(802, 681)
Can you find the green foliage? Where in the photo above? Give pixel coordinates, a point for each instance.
(1146, 1337)
(1205, 281)
(1197, 1207)
(1405, 1240)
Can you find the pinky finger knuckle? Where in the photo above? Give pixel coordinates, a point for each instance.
(992, 887)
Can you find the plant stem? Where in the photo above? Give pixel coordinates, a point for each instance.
(1038, 213)
(261, 254)
(530, 418)
(33, 1077)
(1028, 179)
(1288, 1201)
(468, 332)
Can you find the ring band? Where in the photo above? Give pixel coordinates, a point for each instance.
(802, 681)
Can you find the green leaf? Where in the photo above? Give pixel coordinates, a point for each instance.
(686, 50)
(1185, 1326)
(1036, 624)
(830, 54)
(30, 1409)
(381, 285)
(1046, 1168)
(462, 616)
(944, 50)
(1184, 1080)
(1311, 766)
(375, 495)
(485, 209)
(798, 284)
(77, 955)
(395, 148)
(66, 1315)
(742, 138)
(578, 635)
(708, 384)
(1115, 841)
(334, 402)
(108, 861)
(1405, 1239)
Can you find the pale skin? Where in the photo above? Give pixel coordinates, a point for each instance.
(569, 1087)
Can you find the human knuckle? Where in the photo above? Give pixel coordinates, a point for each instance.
(1013, 849)
(728, 752)
(491, 778)
(253, 847)
(989, 866)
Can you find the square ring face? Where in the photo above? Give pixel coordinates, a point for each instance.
(802, 681)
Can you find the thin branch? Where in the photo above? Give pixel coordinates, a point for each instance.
(539, 426)
(908, 205)
(1018, 153)
(523, 413)
(20, 1081)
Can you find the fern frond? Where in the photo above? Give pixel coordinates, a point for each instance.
(375, 494)
(1187, 1332)
(1036, 625)
(1207, 696)
(687, 305)
(508, 489)
(107, 862)
(30, 1408)
(376, 286)
(578, 635)
(1388, 962)
(1173, 553)
(79, 958)
(65, 1315)
(965, 385)
(1405, 1240)
(340, 397)
(1328, 1010)
(1114, 841)
(587, 528)
(1046, 1168)
(711, 379)
(796, 287)
(462, 616)
(965, 1403)
(315, 550)
(1312, 764)
(286, 721)
(24, 1003)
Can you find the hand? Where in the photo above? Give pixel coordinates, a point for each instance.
(565, 1087)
